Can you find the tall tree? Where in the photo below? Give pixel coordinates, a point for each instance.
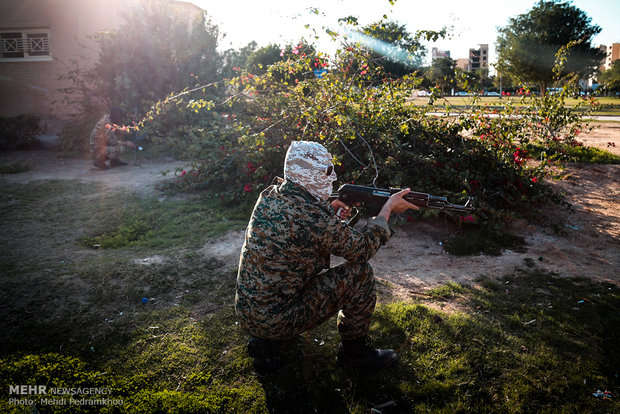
(443, 73)
(260, 59)
(527, 45)
(393, 47)
(155, 52)
(235, 59)
(610, 78)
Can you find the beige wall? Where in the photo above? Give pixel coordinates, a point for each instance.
(31, 86)
(612, 53)
(462, 63)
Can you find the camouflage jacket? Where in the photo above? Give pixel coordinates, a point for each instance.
(289, 239)
(104, 141)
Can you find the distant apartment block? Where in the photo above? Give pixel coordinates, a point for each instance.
(612, 53)
(479, 58)
(439, 54)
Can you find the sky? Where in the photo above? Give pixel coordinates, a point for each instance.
(472, 22)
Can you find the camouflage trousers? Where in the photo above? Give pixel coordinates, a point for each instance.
(106, 153)
(347, 290)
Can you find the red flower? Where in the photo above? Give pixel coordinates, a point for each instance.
(248, 188)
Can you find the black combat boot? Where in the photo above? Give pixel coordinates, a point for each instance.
(359, 353)
(265, 357)
(115, 162)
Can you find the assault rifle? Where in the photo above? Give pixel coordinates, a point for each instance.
(374, 198)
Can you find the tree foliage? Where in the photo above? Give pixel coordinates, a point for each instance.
(153, 53)
(385, 44)
(232, 59)
(377, 138)
(528, 44)
(237, 130)
(610, 78)
(394, 48)
(443, 73)
(258, 62)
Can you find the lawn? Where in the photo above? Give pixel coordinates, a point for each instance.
(608, 105)
(110, 291)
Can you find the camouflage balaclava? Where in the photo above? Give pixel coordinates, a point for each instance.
(307, 164)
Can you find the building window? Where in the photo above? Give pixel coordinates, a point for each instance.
(25, 45)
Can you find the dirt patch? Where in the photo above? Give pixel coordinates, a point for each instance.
(414, 260)
(46, 165)
(605, 136)
(226, 248)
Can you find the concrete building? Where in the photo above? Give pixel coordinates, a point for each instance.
(462, 63)
(612, 53)
(479, 58)
(39, 40)
(439, 54)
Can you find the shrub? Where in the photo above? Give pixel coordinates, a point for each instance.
(15, 168)
(375, 136)
(75, 134)
(156, 50)
(133, 230)
(19, 132)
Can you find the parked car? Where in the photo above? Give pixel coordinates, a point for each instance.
(421, 92)
(491, 94)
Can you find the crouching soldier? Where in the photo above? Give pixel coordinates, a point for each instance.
(104, 140)
(285, 285)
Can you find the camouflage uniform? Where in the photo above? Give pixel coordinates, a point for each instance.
(283, 287)
(104, 142)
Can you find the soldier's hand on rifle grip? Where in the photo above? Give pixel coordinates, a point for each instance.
(396, 204)
(342, 210)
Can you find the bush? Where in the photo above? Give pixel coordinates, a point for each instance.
(19, 132)
(74, 138)
(15, 168)
(156, 50)
(375, 136)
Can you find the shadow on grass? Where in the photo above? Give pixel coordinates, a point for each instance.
(529, 342)
(72, 317)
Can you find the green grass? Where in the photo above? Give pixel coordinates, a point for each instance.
(608, 105)
(591, 155)
(15, 168)
(72, 316)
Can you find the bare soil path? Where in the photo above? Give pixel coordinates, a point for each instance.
(414, 260)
